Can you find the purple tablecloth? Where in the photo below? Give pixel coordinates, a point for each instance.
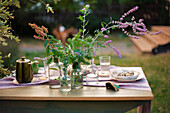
(139, 85)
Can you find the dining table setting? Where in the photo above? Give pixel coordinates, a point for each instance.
(107, 84)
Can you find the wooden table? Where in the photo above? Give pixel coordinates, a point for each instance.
(42, 99)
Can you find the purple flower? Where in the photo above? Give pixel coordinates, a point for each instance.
(116, 50)
(140, 29)
(84, 9)
(106, 36)
(113, 22)
(156, 33)
(102, 29)
(95, 53)
(107, 42)
(133, 18)
(140, 33)
(78, 54)
(87, 5)
(37, 58)
(141, 20)
(136, 7)
(133, 36)
(130, 11)
(121, 18)
(123, 25)
(43, 59)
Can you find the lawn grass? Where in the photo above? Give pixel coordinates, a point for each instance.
(156, 69)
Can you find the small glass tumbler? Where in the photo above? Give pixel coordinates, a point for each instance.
(92, 79)
(46, 68)
(105, 63)
(54, 76)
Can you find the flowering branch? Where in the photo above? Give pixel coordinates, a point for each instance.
(136, 27)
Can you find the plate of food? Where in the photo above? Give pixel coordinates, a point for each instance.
(123, 75)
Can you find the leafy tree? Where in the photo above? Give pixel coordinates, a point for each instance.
(6, 30)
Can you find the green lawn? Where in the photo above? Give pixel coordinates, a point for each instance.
(156, 69)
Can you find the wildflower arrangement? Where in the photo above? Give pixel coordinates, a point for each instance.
(81, 47)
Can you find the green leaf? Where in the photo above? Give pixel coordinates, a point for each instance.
(54, 69)
(49, 60)
(102, 24)
(113, 27)
(86, 23)
(82, 11)
(54, 51)
(52, 37)
(47, 50)
(80, 18)
(46, 43)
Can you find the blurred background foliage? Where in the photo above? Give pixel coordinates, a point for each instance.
(155, 12)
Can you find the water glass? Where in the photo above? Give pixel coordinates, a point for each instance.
(92, 79)
(54, 75)
(46, 68)
(104, 63)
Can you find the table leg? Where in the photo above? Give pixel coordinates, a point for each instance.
(145, 108)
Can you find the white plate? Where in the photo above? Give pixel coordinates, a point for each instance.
(137, 76)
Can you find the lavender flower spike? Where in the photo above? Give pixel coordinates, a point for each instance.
(141, 20)
(102, 29)
(107, 42)
(94, 53)
(37, 58)
(106, 36)
(116, 50)
(140, 29)
(78, 54)
(87, 5)
(84, 9)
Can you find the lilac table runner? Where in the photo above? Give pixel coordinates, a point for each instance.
(139, 85)
(7, 82)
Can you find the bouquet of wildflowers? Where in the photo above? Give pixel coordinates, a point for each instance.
(81, 47)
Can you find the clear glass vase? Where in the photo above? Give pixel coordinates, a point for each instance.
(65, 84)
(76, 76)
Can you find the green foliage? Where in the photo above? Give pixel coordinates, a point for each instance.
(5, 29)
(13, 50)
(5, 15)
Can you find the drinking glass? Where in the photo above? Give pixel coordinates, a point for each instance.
(46, 68)
(105, 63)
(92, 77)
(54, 75)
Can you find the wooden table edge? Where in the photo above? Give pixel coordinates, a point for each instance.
(78, 98)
